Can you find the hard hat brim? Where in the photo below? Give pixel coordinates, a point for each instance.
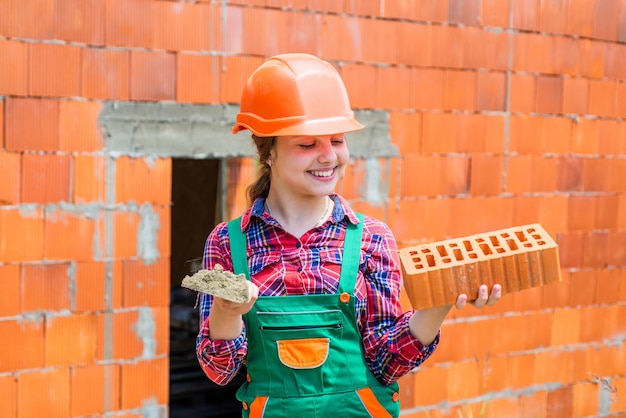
(319, 127)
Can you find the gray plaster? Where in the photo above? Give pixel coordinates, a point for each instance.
(145, 329)
(147, 234)
(204, 131)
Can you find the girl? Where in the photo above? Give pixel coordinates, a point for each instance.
(323, 332)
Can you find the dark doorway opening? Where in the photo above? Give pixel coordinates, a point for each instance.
(196, 202)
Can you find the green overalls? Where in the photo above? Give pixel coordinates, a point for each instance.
(305, 353)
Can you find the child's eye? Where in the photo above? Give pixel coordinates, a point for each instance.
(307, 146)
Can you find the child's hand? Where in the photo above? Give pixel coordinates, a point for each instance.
(484, 298)
(233, 308)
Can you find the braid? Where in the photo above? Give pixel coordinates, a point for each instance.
(261, 186)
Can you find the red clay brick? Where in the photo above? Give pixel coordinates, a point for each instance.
(186, 23)
(440, 132)
(447, 46)
(414, 41)
(45, 287)
(164, 233)
(45, 178)
(621, 100)
(522, 92)
(486, 174)
(10, 172)
(58, 226)
(532, 53)
(8, 396)
(570, 174)
(565, 56)
(615, 67)
(592, 56)
(394, 88)
(26, 350)
(80, 21)
(525, 14)
(602, 98)
(575, 95)
(490, 89)
(126, 226)
(129, 24)
(549, 97)
(90, 284)
(354, 76)
(143, 181)
(553, 16)
(519, 258)
(606, 19)
(611, 139)
(197, 78)
(570, 249)
(14, 77)
(144, 380)
(54, 70)
(337, 27)
(16, 19)
(585, 136)
(146, 284)
(428, 85)
(105, 74)
(236, 70)
(78, 126)
(466, 12)
(10, 295)
(88, 172)
(31, 124)
(89, 389)
(495, 13)
(460, 90)
(405, 130)
(22, 235)
(51, 389)
(70, 340)
(152, 76)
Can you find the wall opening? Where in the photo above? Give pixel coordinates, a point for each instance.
(196, 202)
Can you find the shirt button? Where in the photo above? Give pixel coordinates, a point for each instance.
(299, 269)
(344, 298)
(395, 397)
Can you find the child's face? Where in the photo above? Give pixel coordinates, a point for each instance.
(309, 165)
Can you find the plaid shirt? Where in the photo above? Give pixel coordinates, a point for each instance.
(281, 264)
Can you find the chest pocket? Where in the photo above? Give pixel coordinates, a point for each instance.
(265, 260)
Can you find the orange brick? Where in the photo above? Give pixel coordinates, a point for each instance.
(126, 227)
(585, 137)
(187, 28)
(88, 178)
(235, 72)
(94, 389)
(430, 212)
(59, 224)
(495, 13)
(602, 97)
(80, 21)
(522, 92)
(520, 370)
(405, 130)
(26, 350)
(197, 79)
(570, 249)
(430, 385)
(10, 295)
(549, 97)
(575, 95)
(8, 396)
(525, 14)
(460, 90)
(31, 124)
(14, 77)
(354, 76)
(45, 178)
(105, 74)
(560, 402)
(143, 381)
(22, 235)
(565, 327)
(428, 85)
(54, 70)
(490, 89)
(129, 24)
(90, 283)
(621, 100)
(125, 344)
(592, 57)
(532, 53)
(565, 56)
(78, 126)
(51, 389)
(70, 340)
(164, 234)
(394, 88)
(146, 284)
(152, 76)
(463, 381)
(412, 37)
(519, 258)
(447, 46)
(45, 287)
(16, 19)
(486, 174)
(10, 172)
(615, 67)
(553, 16)
(142, 181)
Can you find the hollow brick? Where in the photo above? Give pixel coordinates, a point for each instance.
(517, 258)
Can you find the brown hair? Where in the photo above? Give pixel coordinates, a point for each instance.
(261, 186)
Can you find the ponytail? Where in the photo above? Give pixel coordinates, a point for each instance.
(261, 186)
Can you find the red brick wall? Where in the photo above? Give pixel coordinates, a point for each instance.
(504, 112)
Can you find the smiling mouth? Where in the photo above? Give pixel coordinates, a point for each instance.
(322, 173)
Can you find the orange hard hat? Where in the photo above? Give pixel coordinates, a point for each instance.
(295, 94)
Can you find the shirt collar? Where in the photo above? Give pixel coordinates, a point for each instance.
(340, 211)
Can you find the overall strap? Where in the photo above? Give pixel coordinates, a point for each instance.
(351, 256)
(238, 248)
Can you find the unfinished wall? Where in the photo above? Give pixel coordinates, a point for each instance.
(494, 113)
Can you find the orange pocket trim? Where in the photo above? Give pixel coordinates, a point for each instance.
(257, 407)
(370, 402)
(306, 353)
